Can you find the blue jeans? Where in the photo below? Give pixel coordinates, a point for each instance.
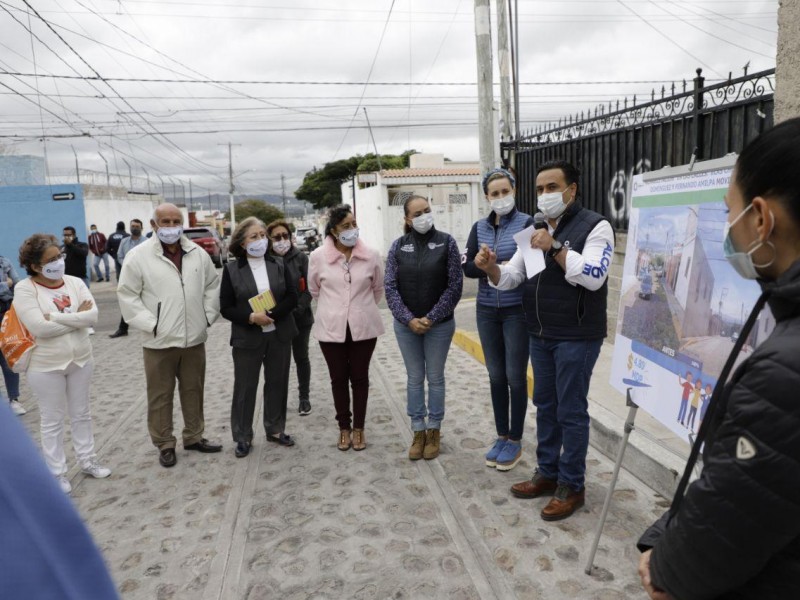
(11, 379)
(561, 374)
(425, 355)
(97, 259)
(504, 339)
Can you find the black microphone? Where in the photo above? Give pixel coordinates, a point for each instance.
(539, 221)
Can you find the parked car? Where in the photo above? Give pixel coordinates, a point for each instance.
(210, 241)
(306, 238)
(646, 288)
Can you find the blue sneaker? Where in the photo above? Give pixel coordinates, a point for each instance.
(491, 456)
(509, 456)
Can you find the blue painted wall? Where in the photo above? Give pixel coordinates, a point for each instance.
(25, 210)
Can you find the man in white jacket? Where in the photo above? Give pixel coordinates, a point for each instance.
(169, 289)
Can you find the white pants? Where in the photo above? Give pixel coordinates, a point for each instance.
(59, 392)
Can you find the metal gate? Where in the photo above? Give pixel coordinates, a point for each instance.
(617, 142)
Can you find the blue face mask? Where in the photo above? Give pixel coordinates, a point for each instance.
(742, 262)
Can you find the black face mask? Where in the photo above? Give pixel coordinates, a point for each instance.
(136, 231)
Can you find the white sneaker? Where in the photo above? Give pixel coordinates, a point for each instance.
(91, 330)
(66, 486)
(96, 470)
(17, 408)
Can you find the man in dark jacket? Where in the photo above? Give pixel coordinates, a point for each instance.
(76, 253)
(112, 246)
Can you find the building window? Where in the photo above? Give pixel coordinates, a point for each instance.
(399, 198)
(457, 199)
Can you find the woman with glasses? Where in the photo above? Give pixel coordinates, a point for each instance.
(346, 278)
(58, 310)
(258, 295)
(281, 245)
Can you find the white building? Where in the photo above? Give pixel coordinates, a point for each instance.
(453, 189)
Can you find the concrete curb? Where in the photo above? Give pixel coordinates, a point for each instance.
(646, 460)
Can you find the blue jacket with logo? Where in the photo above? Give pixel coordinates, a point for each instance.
(500, 238)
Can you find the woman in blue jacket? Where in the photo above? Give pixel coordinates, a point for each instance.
(501, 320)
(423, 285)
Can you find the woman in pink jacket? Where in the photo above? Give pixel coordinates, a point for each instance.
(346, 278)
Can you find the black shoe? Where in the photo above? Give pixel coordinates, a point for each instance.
(167, 457)
(305, 408)
(118, 333)
(203, 446)
(100, 280)
(242, 449)
(282, 439)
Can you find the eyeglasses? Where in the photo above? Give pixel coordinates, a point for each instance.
(346, 267)
(56, 258)
(279, 237)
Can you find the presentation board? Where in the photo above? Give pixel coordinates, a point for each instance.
(682, 305)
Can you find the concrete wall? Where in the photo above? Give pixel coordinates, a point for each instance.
(369, 216)
(105, 206)
(22, 170)
(787, 74)
(31, 209)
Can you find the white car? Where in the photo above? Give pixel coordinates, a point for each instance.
(300, 236)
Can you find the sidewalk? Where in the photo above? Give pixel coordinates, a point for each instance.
(314, 522)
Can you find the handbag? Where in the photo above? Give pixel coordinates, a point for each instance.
(16, 342)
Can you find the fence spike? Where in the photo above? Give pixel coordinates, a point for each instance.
(626, 103)
(634, 101)
(730, 75)
(617, 104)
(684, 86)
(610, 106)
(652, 95)
(663, 90)
(673, 89)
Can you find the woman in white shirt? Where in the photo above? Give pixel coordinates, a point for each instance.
(58, 310)
(260, 338)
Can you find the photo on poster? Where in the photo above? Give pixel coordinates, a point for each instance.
(682, 306)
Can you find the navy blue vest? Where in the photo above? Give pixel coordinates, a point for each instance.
(500, 239)
(422, 270)
(556, 309)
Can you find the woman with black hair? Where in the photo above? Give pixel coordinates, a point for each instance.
(346, 278)
(423, 286)
(736, 532)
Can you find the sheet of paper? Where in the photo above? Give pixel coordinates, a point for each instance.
(534, 259)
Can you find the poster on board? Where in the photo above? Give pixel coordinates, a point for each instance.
(682, 305)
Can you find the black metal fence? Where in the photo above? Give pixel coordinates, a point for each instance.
(620, 141)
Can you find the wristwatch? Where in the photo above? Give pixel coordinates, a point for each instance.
(555, 248)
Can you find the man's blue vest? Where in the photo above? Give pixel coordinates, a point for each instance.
(556, 309)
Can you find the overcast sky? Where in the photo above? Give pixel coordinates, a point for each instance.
(180, 130)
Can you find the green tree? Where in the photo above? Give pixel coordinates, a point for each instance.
(256, 208)
(322, 187)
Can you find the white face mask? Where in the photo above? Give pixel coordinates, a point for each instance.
(170, 235)
(422, 223)
(349, 237)
(281, 247)
(258, 248)
(54, 270)
(503, 206)
(552, 204)
(742, 262)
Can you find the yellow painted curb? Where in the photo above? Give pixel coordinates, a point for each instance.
(471, 344)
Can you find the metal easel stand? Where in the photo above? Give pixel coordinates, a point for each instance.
(613, 483)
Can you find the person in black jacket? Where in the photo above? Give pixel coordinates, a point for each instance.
(423, 286)
(258, 337)
(75, 253)
(736, 532)
(112, 245)
(281, 245)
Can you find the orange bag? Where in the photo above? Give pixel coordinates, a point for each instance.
(16, 342)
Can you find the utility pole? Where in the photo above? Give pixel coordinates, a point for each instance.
(190, 195)
(232, 187)
(283, 194)
(514, 14)
(505, 78)
(374, 145)
(483, 41)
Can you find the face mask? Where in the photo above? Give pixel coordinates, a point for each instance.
(422, 223)
(169, 235)
(742, 262)
(552, 204)
(94, 230)
(281, 247)
(503, 206)
(54, 270)
(349, 237)
(136, 232)
(258, 248)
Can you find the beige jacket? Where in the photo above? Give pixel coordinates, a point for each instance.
(174, 309)
(62, 339)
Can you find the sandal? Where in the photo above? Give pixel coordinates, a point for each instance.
(282, 439)
(344, 439)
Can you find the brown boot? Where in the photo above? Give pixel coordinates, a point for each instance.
(431, 444)
(344, 439)
(359, 440)
(417, 446)
(564, 502)
(534, 487)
